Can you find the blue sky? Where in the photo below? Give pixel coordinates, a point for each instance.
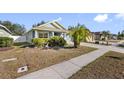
(94, 21)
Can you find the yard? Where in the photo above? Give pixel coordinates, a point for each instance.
(35, 59)
(109, 66)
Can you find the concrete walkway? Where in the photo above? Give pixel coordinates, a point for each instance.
(65, 69)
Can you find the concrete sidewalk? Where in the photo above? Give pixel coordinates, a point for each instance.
(65, 69)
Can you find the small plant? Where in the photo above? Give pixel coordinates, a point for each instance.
(40, 42)
(56, 41)
(6, 42)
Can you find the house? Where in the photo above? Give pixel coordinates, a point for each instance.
(90, 38)
(5, 32)
(47, 30)
(97, 35)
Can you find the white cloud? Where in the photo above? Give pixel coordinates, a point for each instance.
(120, 16)
(101, 18)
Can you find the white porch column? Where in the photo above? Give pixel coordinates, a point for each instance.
(36, 34)
(64, 35)
(52, 33)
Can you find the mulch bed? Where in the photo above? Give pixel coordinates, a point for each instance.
(6, 48)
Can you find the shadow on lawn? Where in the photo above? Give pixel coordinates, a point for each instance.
(115, 57)
(55, 48)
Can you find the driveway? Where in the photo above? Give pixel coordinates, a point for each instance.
(109, 48)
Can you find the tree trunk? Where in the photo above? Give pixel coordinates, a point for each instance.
(75, 44)
(107, 42)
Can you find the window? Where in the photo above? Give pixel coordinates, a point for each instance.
(40, 35)
(57, 34)
(33, 34)
(43, 35)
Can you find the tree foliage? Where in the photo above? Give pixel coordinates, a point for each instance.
(106, 35)
(121, 35)
(78, 33)
(38, 24)
(15, 28)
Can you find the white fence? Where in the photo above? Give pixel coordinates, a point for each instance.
(19, 38)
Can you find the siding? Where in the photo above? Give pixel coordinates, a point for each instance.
(3, 33)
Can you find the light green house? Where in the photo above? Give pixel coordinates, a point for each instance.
(4, 32)
(47, 30)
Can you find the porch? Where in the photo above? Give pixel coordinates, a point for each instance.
(48, 34)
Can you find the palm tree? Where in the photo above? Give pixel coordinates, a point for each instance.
(78, 33)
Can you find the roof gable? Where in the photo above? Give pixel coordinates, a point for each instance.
(6, 29)
(53, 24)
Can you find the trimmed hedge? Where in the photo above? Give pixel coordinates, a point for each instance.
(6, 42)
(40, 42)
(56, 41)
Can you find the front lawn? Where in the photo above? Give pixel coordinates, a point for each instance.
(109, 66)
(35, 59)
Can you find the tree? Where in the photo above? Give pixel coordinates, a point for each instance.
(106, 36)
(121, 35)
(38, 24)
(78, 33)
(18, 29)
(15, 28)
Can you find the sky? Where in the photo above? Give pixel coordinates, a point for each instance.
(113, 22)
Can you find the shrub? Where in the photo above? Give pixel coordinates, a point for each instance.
(56, 41)
(40, 42)
(6, 42)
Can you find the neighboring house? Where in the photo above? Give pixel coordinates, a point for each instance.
(100, 36)
(90, 38)
(47, 30)
(97, 35)
(4, 32)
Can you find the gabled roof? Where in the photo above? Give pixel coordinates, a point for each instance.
(6, 29)
(51, 26)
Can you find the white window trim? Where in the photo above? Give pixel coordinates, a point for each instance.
(43, 33)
